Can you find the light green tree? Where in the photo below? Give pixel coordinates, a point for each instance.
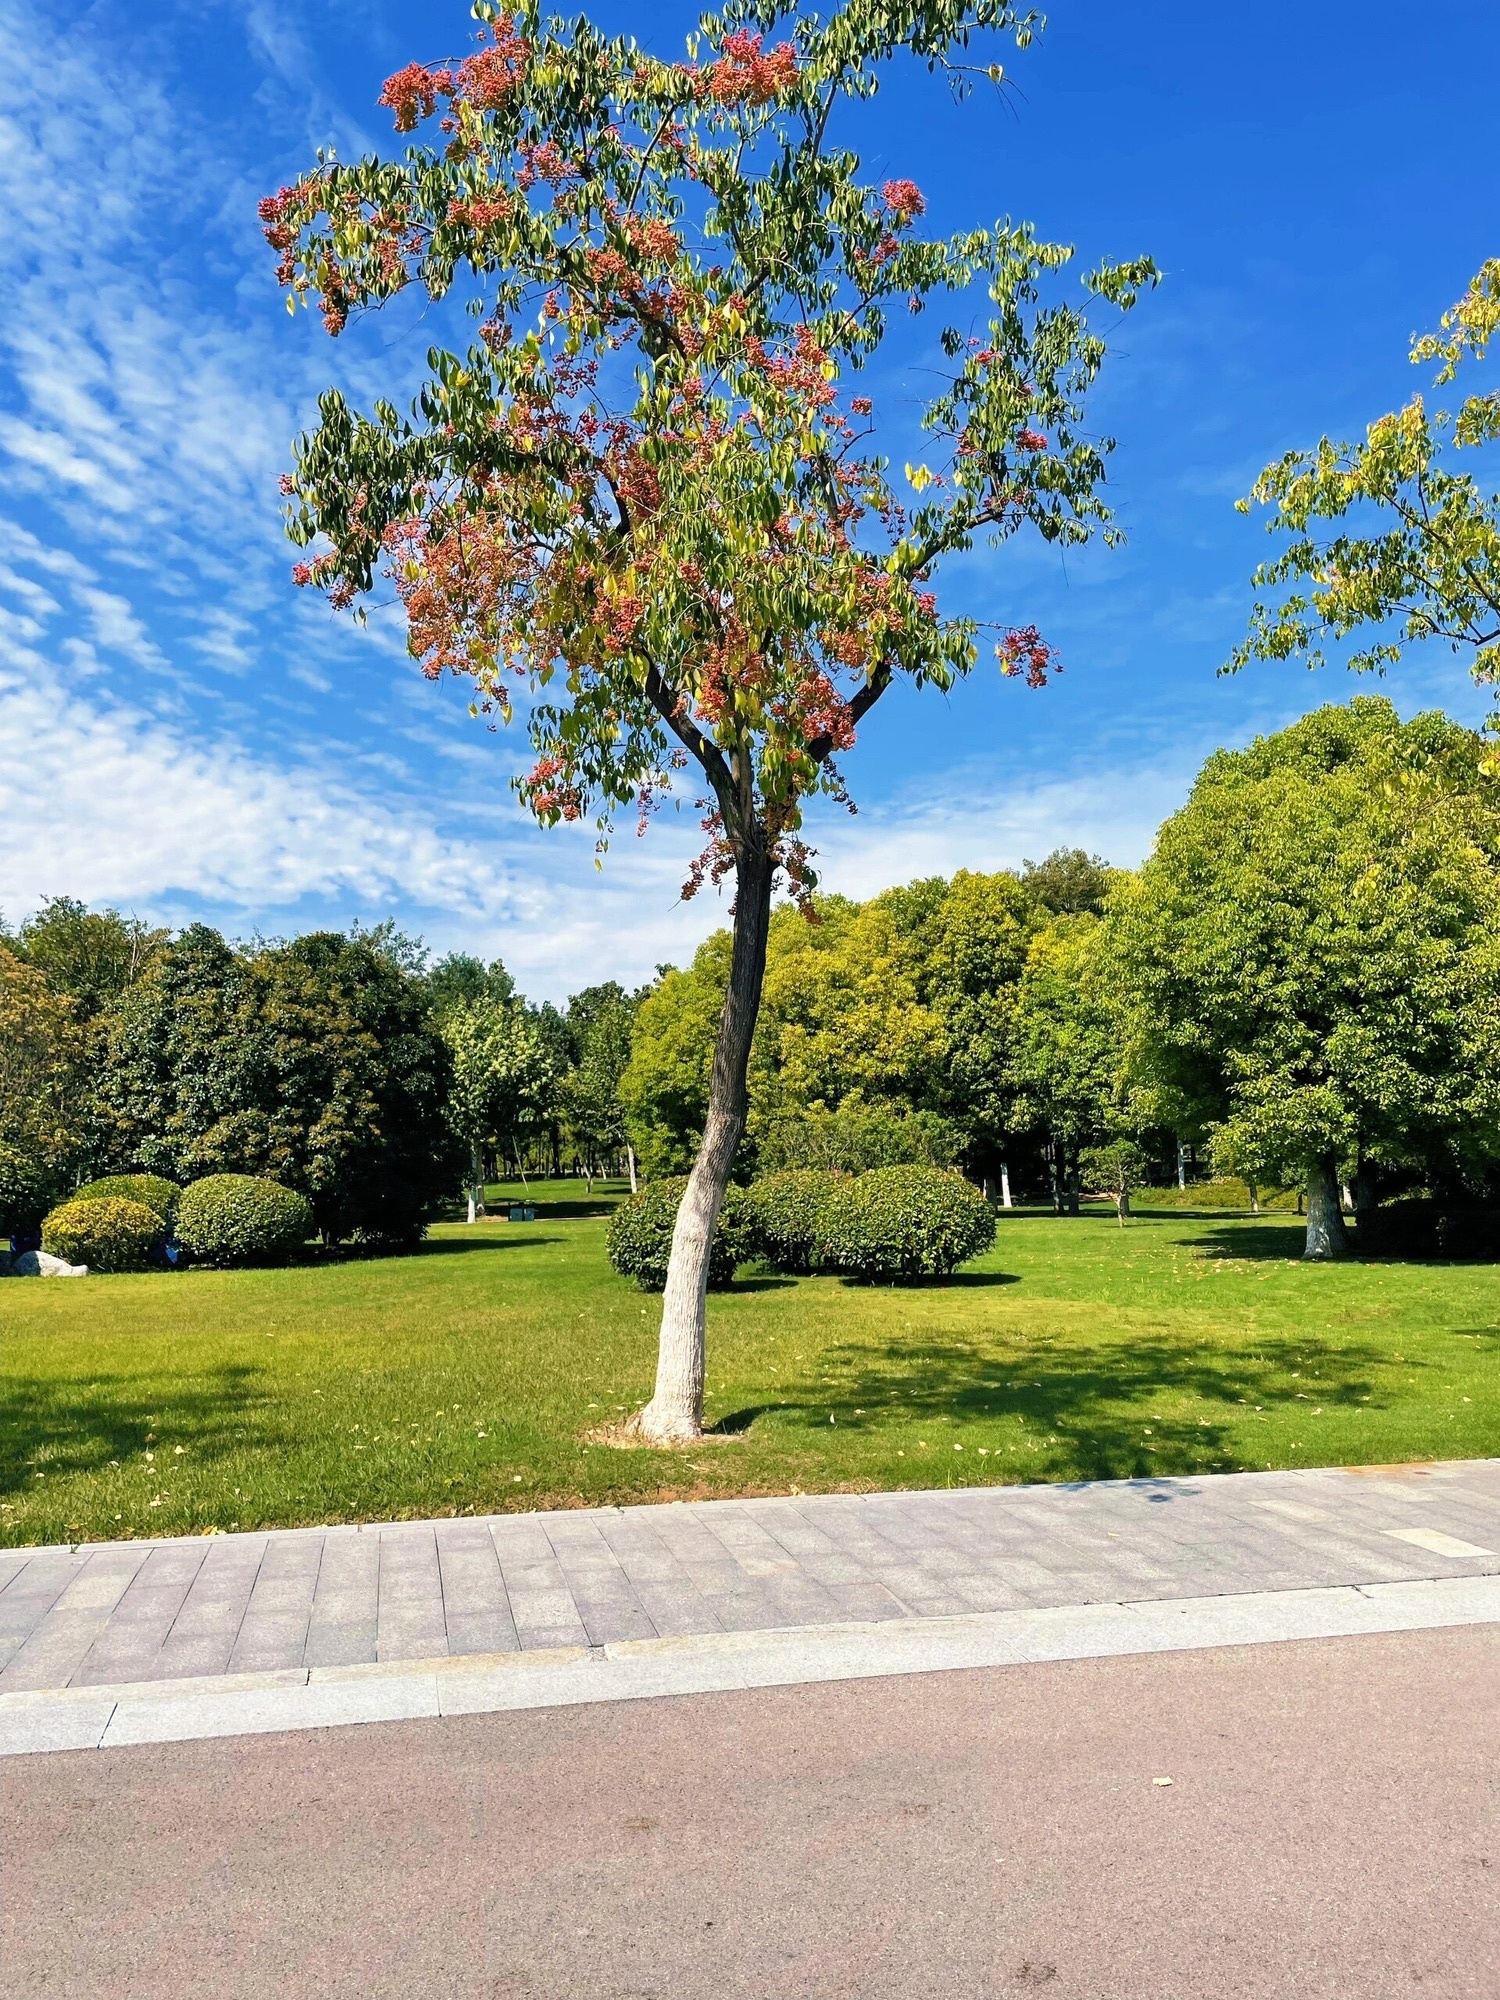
(1067, 1049)
(43, 1080)
(591, 1088)
(645, 504)
(1394, 537)
(504, 1080)
(1310, 955)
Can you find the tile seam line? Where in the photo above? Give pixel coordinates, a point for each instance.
(680, 1579)
(494, 1549)
(135, 1579)
(562, 1570)
(312, 1605)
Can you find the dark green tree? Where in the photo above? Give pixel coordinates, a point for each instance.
(1310, 956)
(313, 1062)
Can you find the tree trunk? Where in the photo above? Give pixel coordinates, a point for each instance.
(1004, 1185)
(1254, 1197)
(630, 1163)
(476, 1183)
(1181, 1164)
(1326, 1237)
(1074, 1186)
(1366, 1209)
(1122, 1205)
(675, 1411)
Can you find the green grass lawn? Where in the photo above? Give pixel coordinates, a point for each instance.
(465, 1379)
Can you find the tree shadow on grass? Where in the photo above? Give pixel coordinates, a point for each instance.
(1091, 1410)
(66, 1427)
(463, 1246)
(1255, 1243)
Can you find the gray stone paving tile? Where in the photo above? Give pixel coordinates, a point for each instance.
(130, 1644)
(208, 1624)
(273, 1627)
(476, 1608)
(180, 1609)
(675, 1609)
(57, 1644)
(412, 1622)
(520, 1538)
(342, 1627)
(541, 1604)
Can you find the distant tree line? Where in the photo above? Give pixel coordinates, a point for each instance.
(347, 1067)
(1301, 986)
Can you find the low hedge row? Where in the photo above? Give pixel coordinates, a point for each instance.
(892, 1225)
(122, 1223)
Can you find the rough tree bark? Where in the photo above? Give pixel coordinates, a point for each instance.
(476, 1183)
(675, 1412)
(1004, 1185)
(1326, 1235)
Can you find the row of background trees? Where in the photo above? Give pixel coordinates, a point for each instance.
(1302, 984)
(347, 1067)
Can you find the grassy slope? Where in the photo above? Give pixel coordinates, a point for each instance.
(465, 1378)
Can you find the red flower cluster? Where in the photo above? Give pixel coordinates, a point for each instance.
(479, 214)
(483, 80)
(800, 372)
(904, 200)
(1026, 652)
(744, 74)
(1030, 440)
(549, 791)
(412, 93)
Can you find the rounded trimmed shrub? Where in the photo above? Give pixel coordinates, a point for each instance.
(107, 1235)
(639, 1240)
(242, 1219)
(784, 1209)
(898, 1224)
(152, 1191)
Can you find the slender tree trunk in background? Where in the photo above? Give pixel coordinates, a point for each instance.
(476, 1183)
(676, 1409)
(1073, 1186)
(1254, 1197)
(1326, 1237)
(1004, 1185)
(1181, 1164)
(630, 1164)
(1366, 1209)
(1054, 1174)
(1122, 1205)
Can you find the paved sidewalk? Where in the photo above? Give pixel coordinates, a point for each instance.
(318, 1598)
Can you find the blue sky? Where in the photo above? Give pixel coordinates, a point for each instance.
(185, 735)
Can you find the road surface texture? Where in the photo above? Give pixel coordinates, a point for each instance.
(1330, 1831)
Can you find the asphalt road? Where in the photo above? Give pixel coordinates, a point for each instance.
(1330, 1830)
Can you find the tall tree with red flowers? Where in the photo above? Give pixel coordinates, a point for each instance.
(643, 503)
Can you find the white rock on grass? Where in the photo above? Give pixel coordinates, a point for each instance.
(39, 1264)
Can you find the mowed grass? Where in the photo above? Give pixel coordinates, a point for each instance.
(468, 1378)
